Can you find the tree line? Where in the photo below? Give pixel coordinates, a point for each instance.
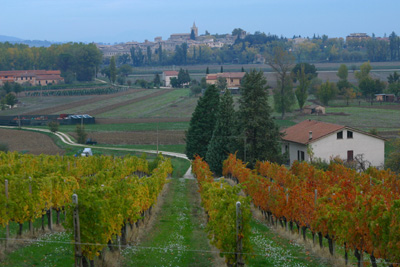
(76, 61)
(217, 129)
(255, 48)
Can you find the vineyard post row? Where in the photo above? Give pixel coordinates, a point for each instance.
(359, 210)
(228, 215)
(111, 194)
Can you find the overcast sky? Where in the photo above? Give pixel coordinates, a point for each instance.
(112, 21)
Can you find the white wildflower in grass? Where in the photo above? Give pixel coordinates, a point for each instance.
(277, 255)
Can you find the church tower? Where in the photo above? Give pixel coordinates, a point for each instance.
(195, 30)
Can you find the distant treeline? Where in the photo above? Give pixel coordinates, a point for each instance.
(77, 61)
(254, 48)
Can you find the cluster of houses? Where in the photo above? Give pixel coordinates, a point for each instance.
(192, 39)
(233, 79)
(31, 77)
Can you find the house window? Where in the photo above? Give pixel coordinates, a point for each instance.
(339, 135)
(349, 135)
(300, 155)
(350, 155)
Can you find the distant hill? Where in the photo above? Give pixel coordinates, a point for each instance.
(16, 40)
(4, 38)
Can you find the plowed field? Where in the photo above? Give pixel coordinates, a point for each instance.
(29, 142)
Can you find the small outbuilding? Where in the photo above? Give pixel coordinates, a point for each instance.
(314, 109)
(385, 97)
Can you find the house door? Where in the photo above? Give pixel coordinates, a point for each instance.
(350, 155)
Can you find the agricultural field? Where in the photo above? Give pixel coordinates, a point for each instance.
(152, 119)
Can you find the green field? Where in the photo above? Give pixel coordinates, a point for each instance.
(360, 118)
(108, 101)
(147, 108)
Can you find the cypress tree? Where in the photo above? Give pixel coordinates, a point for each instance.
(222, 142)
(207, 71)
(202, 123)
(113, 70)
(259, 135)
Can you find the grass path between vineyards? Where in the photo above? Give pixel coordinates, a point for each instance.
(178, 236)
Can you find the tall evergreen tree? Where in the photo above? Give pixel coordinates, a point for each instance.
(207, 71)
(222, 142)
(157, 80)
(258, 133)
(302, 89)
(160, 55)
(202, 123)
(113, 70)
(148, 55)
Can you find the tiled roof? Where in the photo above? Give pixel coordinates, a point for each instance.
(29, 72)
(211, 76)
(49, 77)
(299, 133)
(232, 74)
(170, 73)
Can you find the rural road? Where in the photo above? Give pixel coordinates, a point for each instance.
(67, 140)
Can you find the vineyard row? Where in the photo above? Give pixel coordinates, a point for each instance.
(359, 210)
(112, 192)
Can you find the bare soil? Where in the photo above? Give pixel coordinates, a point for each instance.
(30, 142)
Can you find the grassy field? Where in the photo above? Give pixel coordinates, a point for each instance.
(360, 118)
(148, 107)
(109, 101)
(30, 104)
(178, 238)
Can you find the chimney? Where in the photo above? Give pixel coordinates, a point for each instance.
(309, 135)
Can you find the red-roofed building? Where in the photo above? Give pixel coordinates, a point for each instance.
(328, 140)
(33, 77)
(167, 76)
(233, 79)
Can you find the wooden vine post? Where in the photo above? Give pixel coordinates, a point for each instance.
(30, 192)
(77, 233)
(239, 227)
(315, 206)
(7, 226)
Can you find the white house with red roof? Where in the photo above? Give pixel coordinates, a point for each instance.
(167, 76)
(327, 141)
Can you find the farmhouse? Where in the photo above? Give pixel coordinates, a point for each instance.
(233, 79)
(167, 76)
(32, 77)
(327, 140)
